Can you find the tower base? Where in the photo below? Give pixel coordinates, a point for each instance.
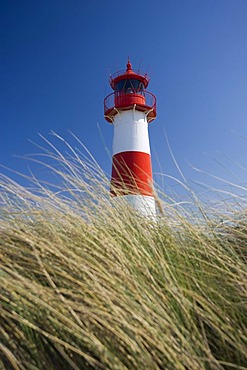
(142, 204)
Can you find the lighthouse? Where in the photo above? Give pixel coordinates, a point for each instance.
(130, 108)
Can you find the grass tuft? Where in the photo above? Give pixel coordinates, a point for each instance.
(87, 284)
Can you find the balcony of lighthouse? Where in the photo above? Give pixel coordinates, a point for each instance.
(118, 101)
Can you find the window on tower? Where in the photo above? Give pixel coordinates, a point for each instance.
(130, 86)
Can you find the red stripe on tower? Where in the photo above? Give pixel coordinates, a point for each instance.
(131, 174)
(130, 108)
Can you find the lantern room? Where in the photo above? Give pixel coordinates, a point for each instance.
(129, 93)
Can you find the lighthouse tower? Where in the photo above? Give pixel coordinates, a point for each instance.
(130, 109)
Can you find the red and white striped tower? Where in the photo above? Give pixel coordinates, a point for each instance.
(130, 108)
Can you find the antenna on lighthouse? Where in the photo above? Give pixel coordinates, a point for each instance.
(130, 108)
(140, 65)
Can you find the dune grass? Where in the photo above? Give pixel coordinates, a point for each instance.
(87, 284)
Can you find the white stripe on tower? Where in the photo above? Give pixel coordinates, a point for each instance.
(130, 132)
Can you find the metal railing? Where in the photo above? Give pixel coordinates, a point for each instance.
(146, 100)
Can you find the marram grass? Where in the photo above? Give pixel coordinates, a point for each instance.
(86, 284)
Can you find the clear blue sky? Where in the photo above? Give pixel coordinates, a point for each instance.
(55, 62)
